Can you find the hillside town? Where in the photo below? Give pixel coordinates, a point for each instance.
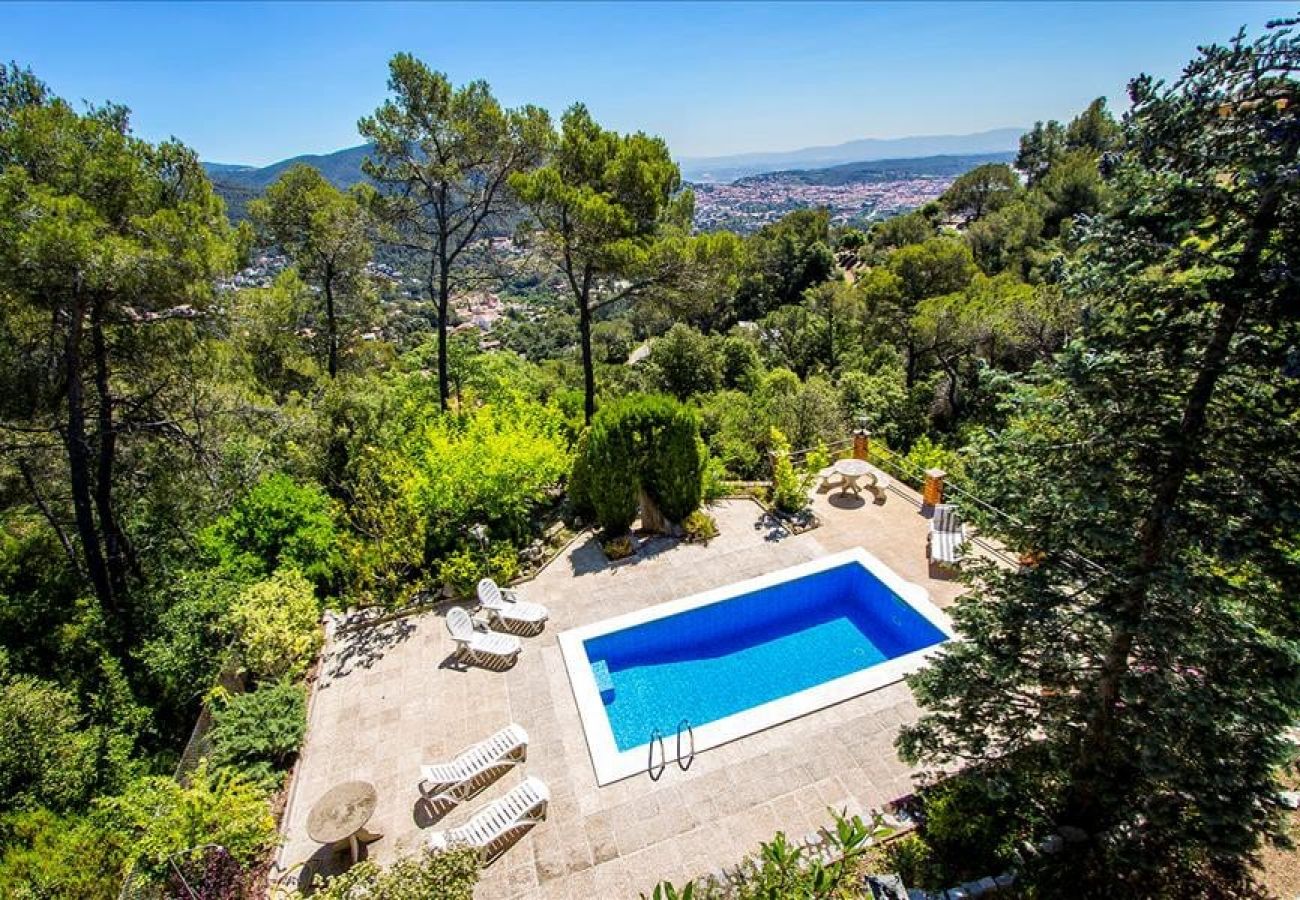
(750, 203)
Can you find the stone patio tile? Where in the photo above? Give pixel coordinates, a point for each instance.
(393, 697)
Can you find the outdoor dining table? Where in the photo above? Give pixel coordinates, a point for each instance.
(850, 470)
(341, 815)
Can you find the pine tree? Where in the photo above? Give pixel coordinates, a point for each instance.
(1141, 674)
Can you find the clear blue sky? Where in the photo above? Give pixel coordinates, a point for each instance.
(253, 82)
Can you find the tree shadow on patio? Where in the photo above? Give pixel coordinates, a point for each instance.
(590, 558)
(363, 647)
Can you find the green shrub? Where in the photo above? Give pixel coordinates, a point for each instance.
(818, 458)
(643, 442)
(619, 548)
(910, 858)
(279, 523)
(700, 527)
(259, 732)
(742, 370)
(580, 481)
(928, 454)
(160, 817)
(463, 569)
(185, 654)
(673, 469)
(713, 484)
(970, 828)
(785, 871)
(789, 487)
(450, 875)
(45, 856)
(276, 626)
(492, 466)
(47, 757)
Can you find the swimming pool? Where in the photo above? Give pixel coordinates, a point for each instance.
(744, 657)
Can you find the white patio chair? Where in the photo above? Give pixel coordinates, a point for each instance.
(455, 781)
(481, 646)
(947, 535)
(491, 828)
(505, 606)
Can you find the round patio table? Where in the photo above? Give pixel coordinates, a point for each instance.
(850, 470)
(341, 815)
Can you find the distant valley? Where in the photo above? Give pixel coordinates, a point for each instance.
(740, 192)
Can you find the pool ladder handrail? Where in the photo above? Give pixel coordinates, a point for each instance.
(656, 737)
(690, 732)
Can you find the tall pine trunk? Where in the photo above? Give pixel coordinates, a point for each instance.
(117, 548)
(78, 452)
(331, 323)
(584, 333)
(444, 307)
(1095, 748)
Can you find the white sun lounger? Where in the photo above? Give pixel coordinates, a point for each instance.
(947, 534)
(480, 645)
(492, 827)
(454, 781)
(503, 606)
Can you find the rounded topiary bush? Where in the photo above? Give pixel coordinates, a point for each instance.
(642, 442)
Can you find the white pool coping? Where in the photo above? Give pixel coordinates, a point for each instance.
(612, 765)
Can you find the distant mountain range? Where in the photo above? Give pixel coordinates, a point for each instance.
(946, 166)
(730, 168)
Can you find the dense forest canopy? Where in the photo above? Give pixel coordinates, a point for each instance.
(1099, 339)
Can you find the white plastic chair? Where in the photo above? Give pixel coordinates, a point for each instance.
(491, 829)
(454, 781)
(481, 646)
(505, 607)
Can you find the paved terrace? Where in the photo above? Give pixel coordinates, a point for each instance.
(391, 697)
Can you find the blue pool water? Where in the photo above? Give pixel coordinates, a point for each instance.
(713, 661)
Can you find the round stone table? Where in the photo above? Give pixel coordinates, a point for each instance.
(850, 470)
(341, 815)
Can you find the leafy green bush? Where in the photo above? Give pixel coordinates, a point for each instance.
(928, 454)
(742, 370)
(818, 458)
(186, 652)
(276, 626)
(45, 856)
(464, 568)
(700, 527)
(160, 817)
(970, 828)
(883, 400)
(259, 732)
(450, 875)
(785, 871)
(789, 487)
(492, 466)
(47, 756)
(673, 469)
(713, 484)
(580, 481)
(279, 523)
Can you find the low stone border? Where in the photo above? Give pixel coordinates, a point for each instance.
(991, 884)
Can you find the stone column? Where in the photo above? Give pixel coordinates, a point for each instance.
(861, 444)
(932, 493)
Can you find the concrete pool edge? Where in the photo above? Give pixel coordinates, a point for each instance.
(611, 764)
